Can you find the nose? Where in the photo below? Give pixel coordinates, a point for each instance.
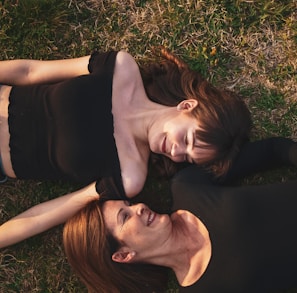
(177, 150)
(139, 209)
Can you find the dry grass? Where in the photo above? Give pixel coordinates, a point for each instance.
(248, 46)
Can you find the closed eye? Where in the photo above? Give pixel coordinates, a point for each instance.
(187, 157)
(125, 217)
(124, 212)
(186, 140)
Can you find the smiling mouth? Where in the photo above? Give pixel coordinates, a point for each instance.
(151, 218)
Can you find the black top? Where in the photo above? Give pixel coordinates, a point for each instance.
(252, 231)
(65, 130)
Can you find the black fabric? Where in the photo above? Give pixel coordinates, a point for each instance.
(252, 230)
(262, 155)
(256, 156)
(65, 130)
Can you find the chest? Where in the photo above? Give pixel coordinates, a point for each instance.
(133, 157)
(133, 150)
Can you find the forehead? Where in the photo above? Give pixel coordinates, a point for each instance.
(110, 211)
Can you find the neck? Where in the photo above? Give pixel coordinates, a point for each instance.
(188, 259)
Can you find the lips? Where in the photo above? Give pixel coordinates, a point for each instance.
(151, 218)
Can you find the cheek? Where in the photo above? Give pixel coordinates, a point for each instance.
(174, 134)
(170, 126)
(138, 232)
(135, 240)
(131, 232)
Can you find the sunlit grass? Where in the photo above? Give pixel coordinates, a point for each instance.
(247, 46)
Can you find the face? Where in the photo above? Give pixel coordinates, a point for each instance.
(175, 138)
(135, 226)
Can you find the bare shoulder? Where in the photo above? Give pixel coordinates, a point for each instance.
(124, 60)
(127, 81)
(126, 69)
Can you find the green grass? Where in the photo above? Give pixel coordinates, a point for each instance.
(247, 46)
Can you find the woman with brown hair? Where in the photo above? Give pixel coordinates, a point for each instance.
(97, 119)
(88, 247)
(215, 239)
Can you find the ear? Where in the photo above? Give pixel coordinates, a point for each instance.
(187, 105)
(123, 256)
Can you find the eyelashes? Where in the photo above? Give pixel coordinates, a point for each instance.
(125, 217)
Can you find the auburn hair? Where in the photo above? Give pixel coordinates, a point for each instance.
(224, 119)
(89, 248)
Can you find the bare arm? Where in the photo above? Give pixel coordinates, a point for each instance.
(25, 72)
(45, 216)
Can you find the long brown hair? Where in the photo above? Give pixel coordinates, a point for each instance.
(89, 247)
(224, 119)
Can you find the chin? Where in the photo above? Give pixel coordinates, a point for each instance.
(153, 148)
